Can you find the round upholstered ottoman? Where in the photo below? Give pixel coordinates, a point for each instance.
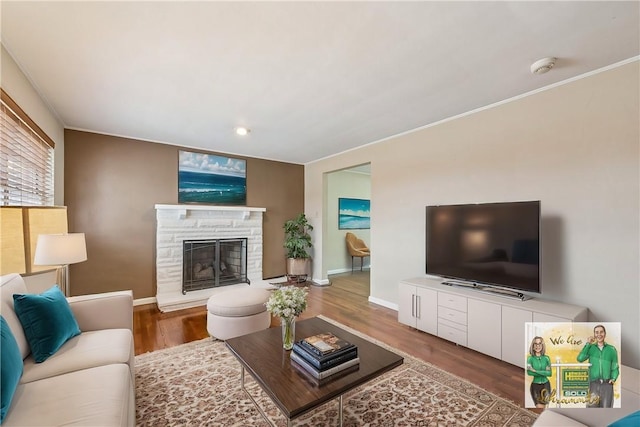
(237, 312)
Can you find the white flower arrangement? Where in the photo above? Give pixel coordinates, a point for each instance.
(287, 301)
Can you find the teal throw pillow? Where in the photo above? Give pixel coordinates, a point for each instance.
(47, 321)
(11, 366)
(631, 420)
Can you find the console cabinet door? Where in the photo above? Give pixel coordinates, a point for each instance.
(427, 315)
(484, 327)
(406, 304)
(514, 345)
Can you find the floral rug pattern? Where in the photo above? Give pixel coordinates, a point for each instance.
(198, 384)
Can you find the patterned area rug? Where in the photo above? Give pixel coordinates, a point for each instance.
(198, 384)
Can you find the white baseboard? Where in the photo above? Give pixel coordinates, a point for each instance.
(383, 303)
(347, 270)
(318, 282)
(143, 301)
(321, 282)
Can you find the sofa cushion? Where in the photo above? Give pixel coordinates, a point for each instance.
(101, 396)
(10, 366)
(13, 284)
(87, 350)
(47, 321)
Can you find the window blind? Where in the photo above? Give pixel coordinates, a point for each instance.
(26, 163)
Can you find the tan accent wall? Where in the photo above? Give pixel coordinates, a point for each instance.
(111, 187)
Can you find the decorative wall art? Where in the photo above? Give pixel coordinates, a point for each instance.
(354, 214)
(570, 348)
(211, 179)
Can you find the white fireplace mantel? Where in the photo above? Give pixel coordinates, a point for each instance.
(177, 223)
(181, 210)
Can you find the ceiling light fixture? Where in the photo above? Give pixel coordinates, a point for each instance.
(543, 65)
(242, 131)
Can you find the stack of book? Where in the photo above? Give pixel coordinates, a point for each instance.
(325, 354)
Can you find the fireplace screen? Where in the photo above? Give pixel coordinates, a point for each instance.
(213, 263)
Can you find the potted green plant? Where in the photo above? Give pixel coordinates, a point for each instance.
(297, 242)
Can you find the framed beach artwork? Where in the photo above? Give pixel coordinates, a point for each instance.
(354, 214)
(211, 179)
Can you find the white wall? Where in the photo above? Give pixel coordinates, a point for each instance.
(18, 87)
(351, 184)
(575, 147)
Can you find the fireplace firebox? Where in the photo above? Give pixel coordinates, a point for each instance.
(212, 263)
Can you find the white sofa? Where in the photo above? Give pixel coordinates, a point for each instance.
(89, 381)
(598, 417)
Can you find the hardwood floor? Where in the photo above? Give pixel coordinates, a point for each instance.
(346, 301)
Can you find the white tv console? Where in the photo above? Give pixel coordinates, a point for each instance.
(493, 325)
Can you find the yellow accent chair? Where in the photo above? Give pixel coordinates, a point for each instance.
(356, 248)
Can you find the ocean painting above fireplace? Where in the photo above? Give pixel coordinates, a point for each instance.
(211, 179)
(354, 214)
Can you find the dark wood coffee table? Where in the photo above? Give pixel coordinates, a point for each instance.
(261, 354)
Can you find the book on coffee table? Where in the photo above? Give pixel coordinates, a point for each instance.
(319, 382)
(327, 372)
(326, 344)
(328, 361)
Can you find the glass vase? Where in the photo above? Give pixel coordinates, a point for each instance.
(288, 331)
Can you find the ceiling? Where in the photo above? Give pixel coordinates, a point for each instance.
(310, 79)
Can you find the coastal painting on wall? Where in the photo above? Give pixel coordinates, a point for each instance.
(211, 179)
(353, 214)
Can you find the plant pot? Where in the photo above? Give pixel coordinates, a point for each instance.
(298, 269)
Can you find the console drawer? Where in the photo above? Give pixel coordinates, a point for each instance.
(451, 324)
(452, 334)
(452, 315)
(455, 302)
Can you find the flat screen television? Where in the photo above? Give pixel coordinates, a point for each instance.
(486, 244)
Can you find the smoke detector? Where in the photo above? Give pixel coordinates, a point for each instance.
(543, 65)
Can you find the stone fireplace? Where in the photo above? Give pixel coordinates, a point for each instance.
(211, 263)
(177, 224)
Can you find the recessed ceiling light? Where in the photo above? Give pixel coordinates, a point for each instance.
(242, 131)
(543, 65)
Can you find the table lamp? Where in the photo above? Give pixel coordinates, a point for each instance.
(61, 250)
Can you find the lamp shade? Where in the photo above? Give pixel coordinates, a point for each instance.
(60, 249)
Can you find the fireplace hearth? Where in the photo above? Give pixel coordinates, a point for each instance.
(212, 263)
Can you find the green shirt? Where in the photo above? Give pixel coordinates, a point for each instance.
(542, 365)
(604, 362)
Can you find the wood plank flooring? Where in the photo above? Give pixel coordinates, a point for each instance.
(346, 301)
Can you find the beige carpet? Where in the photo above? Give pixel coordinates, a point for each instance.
(197, 384)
